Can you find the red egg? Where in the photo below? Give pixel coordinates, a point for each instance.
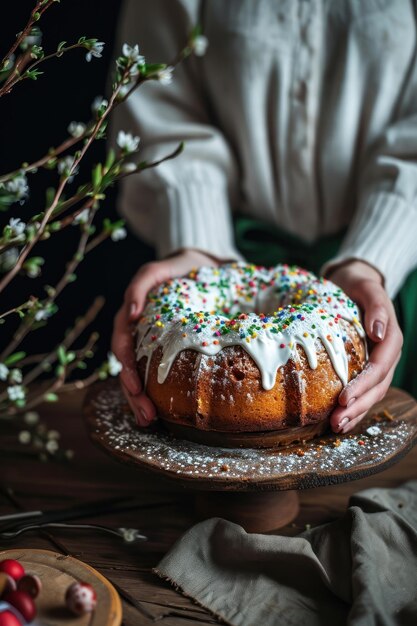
(8, 619)
(23, 603)
(81, 598)
(31, 584)
(12, 567)
(7, 583)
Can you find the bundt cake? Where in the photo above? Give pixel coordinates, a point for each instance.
(242, 355)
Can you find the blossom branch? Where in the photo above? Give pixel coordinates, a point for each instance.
(36, 14)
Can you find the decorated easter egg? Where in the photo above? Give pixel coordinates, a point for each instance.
(7, 583)
(81, 598)
(12, 568)
(23, 603)
(31, 584)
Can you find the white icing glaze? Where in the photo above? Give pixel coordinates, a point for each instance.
(218, 307)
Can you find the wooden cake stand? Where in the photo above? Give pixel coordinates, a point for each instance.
(256, 488)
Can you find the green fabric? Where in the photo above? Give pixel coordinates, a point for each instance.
(267, 245)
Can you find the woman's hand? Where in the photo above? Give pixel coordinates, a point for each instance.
(148, 277)
(363, 284)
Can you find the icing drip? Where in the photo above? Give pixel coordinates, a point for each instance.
(266, 311)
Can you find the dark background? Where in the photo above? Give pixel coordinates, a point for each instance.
(34, 117)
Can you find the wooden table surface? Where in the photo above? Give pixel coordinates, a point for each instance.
(29, 484)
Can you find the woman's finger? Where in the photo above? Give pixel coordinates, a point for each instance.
(148, 277)
(373, 300)
(383, 355)
(351, 425)
(342, 416)
(142, 408)
(122, 347)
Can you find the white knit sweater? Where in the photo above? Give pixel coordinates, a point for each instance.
(303, 113)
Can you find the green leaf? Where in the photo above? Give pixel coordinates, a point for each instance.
(97, 175)
(50, 397)
(49, 196)
(111, 157)
(152, 68)
(32, 74)
(71, 357)
(62, 355)
(61, 45)
(196, 31)
(14, 358)
(59, 370)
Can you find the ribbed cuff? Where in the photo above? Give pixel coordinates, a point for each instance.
(195, 214)
(383, 234)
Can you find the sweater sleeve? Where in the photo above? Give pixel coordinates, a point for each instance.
(185, 202)
(383, 232)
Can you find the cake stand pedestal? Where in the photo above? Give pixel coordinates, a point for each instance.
(256, 488)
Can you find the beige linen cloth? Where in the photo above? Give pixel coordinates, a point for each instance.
(360, 570)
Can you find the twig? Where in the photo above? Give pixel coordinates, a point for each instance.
(27, 249)
(32, 20)
(65, 145)
(18, 77)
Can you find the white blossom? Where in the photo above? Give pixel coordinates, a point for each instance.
(25, 436)
(128, 168)
(127, 142)
(98, 103)
(118, 234)
(15, 376)
(200, 45)
(34, 39)
(31, 418)
(123, 91)
(33, 271)
(76, 129)
(4, 371)
(132, 54)
(82, 217)
(52, 446)
(114, 365)
(16, 392)
(42, 314)
(8, 63)
(17, 226)
(95, 50)
(18, 186)
(165, 75)
(65, 165)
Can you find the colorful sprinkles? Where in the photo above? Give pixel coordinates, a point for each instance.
(251, 306)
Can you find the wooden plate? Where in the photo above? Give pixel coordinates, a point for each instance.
(370, 448)
(57, 572)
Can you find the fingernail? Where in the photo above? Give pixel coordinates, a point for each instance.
(343, 423)
(132, 310)
(144, 416)
(378, 329)
(351, 401)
